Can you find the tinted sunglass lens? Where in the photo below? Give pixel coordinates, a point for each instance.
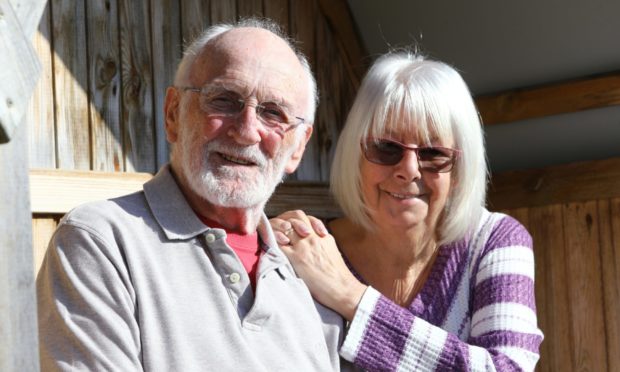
(384, 152)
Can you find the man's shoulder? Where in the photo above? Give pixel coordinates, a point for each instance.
(109, 212)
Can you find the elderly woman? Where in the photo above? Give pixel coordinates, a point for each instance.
(428, 278)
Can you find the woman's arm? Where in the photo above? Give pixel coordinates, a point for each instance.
(385, 336)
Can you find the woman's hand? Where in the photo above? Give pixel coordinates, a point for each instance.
(317, 260)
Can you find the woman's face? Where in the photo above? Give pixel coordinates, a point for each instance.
(403, 195)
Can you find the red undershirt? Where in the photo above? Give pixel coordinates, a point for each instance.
(246, 247)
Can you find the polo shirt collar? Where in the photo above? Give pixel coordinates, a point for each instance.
(170, 208)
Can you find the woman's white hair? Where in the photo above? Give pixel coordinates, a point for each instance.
(407, 93)
(193, 50)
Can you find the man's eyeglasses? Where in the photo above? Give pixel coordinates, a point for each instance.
(223, 102)
(389, 152)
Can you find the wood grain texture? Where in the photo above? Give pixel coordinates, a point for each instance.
(582, 181)
(278, 11)
(56, 191)
(40, 114)
(545, 224)
(43, 227)
(249, 8)
(583, 256)
(104, 82)
(223, 11)
(331, 113)
(19, 73)
(195, 17)
(70, 84)
(609, 232)
(316, 200)
(18, 311)
(302, 28)
(552, 99)
(345, 34)
(137, 86)
(166, 54)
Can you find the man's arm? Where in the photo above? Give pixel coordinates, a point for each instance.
(86, 305)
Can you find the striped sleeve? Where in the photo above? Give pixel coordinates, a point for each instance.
(384, 336)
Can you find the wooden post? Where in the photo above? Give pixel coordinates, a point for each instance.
(18, 319)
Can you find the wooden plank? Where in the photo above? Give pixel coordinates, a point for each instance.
(19, 72)
(104, 82)
(28, 13)
(194, 18)
(344, 31)
(331, 113)
(40, 114)
(303, 18)
(55, 191)
(277, 10)
(137, 86)
(545, 224)
(581, 232)
(312, 197)
(18, 312)
(70, 84)
(166, 54)
(609, 213)
(43, 227)
(582, 181)
(223, 11)
(572, 96)
(249, 8)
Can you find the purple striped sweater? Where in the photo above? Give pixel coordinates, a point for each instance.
(476, 311)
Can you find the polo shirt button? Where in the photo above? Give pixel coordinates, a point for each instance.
(234, 277)
(210, 238)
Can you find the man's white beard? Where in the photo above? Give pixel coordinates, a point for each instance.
(226, 186)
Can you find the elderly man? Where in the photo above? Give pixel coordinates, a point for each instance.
(186, 275)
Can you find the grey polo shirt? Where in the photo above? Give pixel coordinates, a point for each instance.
(140, 283)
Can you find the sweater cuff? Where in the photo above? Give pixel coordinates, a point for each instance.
(357, 327)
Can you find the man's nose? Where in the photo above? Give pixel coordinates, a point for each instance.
(246, 128)
(408, 168)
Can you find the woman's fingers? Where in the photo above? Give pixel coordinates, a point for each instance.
(318, 226)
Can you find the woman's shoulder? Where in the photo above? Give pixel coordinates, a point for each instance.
(502, 230)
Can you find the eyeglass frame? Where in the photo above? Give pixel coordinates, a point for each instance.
(455, 154)
(258, 107)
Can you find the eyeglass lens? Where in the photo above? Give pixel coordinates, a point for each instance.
(387, 152)
(230, 103)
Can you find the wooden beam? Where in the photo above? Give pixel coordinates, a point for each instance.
(340, 20)
(572, 96)
(312, 197)
(582, 181)
(18, 307)
(58, 191)
(19, 73)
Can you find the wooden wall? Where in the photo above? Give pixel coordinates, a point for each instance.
(98, 107)
(107, 63)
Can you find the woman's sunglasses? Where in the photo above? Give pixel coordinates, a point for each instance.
(389, 152)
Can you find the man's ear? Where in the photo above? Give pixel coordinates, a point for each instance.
(171, 114)
(295, 159)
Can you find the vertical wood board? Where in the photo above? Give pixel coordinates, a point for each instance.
(104, 85)
(195, 16)
(609, 214)
(545, 224)
(278, 11)
(70, 84)
(249, 8)
(223, 11)
(40, 114)
(137, 86)
(584, 285)
(166, 55)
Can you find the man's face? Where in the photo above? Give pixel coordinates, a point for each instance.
(237, 161)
